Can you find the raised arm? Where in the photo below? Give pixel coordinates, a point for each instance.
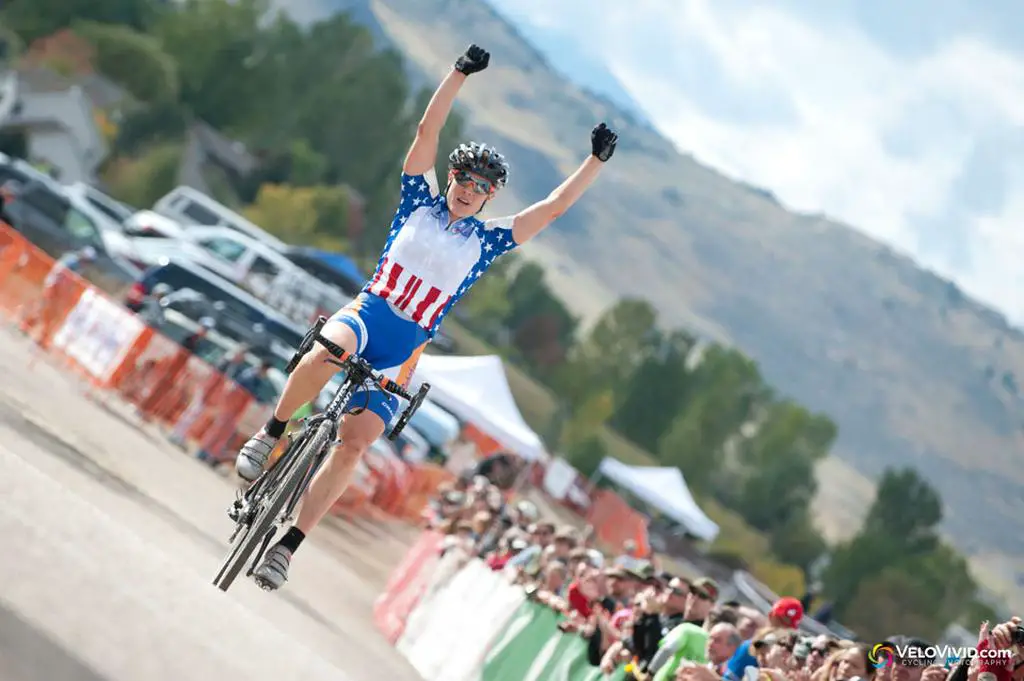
(530, 222)
(423, 152)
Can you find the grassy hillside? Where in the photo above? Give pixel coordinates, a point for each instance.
(914, 372)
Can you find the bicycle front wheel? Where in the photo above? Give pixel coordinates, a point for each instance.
(272, 501)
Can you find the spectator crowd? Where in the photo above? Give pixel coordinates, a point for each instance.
(672, 627)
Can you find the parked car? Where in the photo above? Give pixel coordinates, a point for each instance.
(106, 215)
(336, 271)
(50, 220)
(189, 206)
(117, 211)
(238, 315)
(149, 224)
(216, 346)
(21, 171)
(251, 265)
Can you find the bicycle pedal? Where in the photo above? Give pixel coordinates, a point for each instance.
(236, 509)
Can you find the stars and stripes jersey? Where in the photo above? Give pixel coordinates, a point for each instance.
(427, 265)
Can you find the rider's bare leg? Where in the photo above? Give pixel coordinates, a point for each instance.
(303, 385)
(313, 371)
(357, 433)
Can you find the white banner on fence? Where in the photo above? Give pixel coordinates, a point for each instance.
(559, 478)
(465, 614)
(97, 334)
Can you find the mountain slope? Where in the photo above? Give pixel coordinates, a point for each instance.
(914, 372)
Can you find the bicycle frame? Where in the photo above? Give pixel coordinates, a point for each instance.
(358, 374)
(264, 506)
(332, 414)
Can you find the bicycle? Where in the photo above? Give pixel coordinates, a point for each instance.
(270, 501)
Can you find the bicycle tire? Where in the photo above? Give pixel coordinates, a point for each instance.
(255, 533)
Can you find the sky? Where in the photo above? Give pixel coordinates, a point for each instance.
(903, 119)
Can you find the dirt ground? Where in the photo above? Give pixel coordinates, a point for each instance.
(114, 536)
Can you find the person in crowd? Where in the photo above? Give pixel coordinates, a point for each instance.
(786, 613)
(617, 610)
(253, 378)
(150, 308)
(500, 469)
(58, 290)
(821, 648)
(688, 641)
(723, 641)
(464, 451)
(630, 557)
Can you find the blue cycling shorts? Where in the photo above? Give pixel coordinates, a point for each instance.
(389, 342)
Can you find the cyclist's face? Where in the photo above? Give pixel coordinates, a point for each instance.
(467, 194)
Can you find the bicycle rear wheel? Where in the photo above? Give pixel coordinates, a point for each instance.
(272, 502)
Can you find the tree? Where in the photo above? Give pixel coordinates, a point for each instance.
(890, 600)
(621, 339)
(214, 43)
(486, 306)
(662, 379)
(775, 478)
(900, 529)
(63, 52)
(159, 123)
(587, 419)
(716, 398)
(587, 454)
(33, 19)
(308, 216)
(796, 541)
(529, 298)
(907, 507)
(142, 180)
(683, 446)
(770, 495)
(920, 593)
(538, 338)
(133, 60)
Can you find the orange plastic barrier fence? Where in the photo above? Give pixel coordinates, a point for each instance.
(406, 586)
(105, 343)
(615, 522)
(486, 445)
(109, 346)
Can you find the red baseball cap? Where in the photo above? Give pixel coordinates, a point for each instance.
(788, 610)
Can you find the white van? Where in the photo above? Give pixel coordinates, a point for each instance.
(250, 264)
(191, 207)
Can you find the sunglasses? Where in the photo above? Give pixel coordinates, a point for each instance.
(477, 184)
(701, 594)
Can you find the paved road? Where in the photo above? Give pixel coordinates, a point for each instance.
(113, 537)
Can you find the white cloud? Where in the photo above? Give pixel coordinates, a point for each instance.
(830, 119)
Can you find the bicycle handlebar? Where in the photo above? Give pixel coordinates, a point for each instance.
(350, 361)
(347, 358)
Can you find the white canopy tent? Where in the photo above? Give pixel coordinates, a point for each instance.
(475, 389)
(666, 490)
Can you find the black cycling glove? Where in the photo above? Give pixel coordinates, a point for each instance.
(602, 142)
(475, 60)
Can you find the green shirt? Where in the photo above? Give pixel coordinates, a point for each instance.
(688, 642)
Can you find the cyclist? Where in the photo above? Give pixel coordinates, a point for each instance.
(436, 249)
